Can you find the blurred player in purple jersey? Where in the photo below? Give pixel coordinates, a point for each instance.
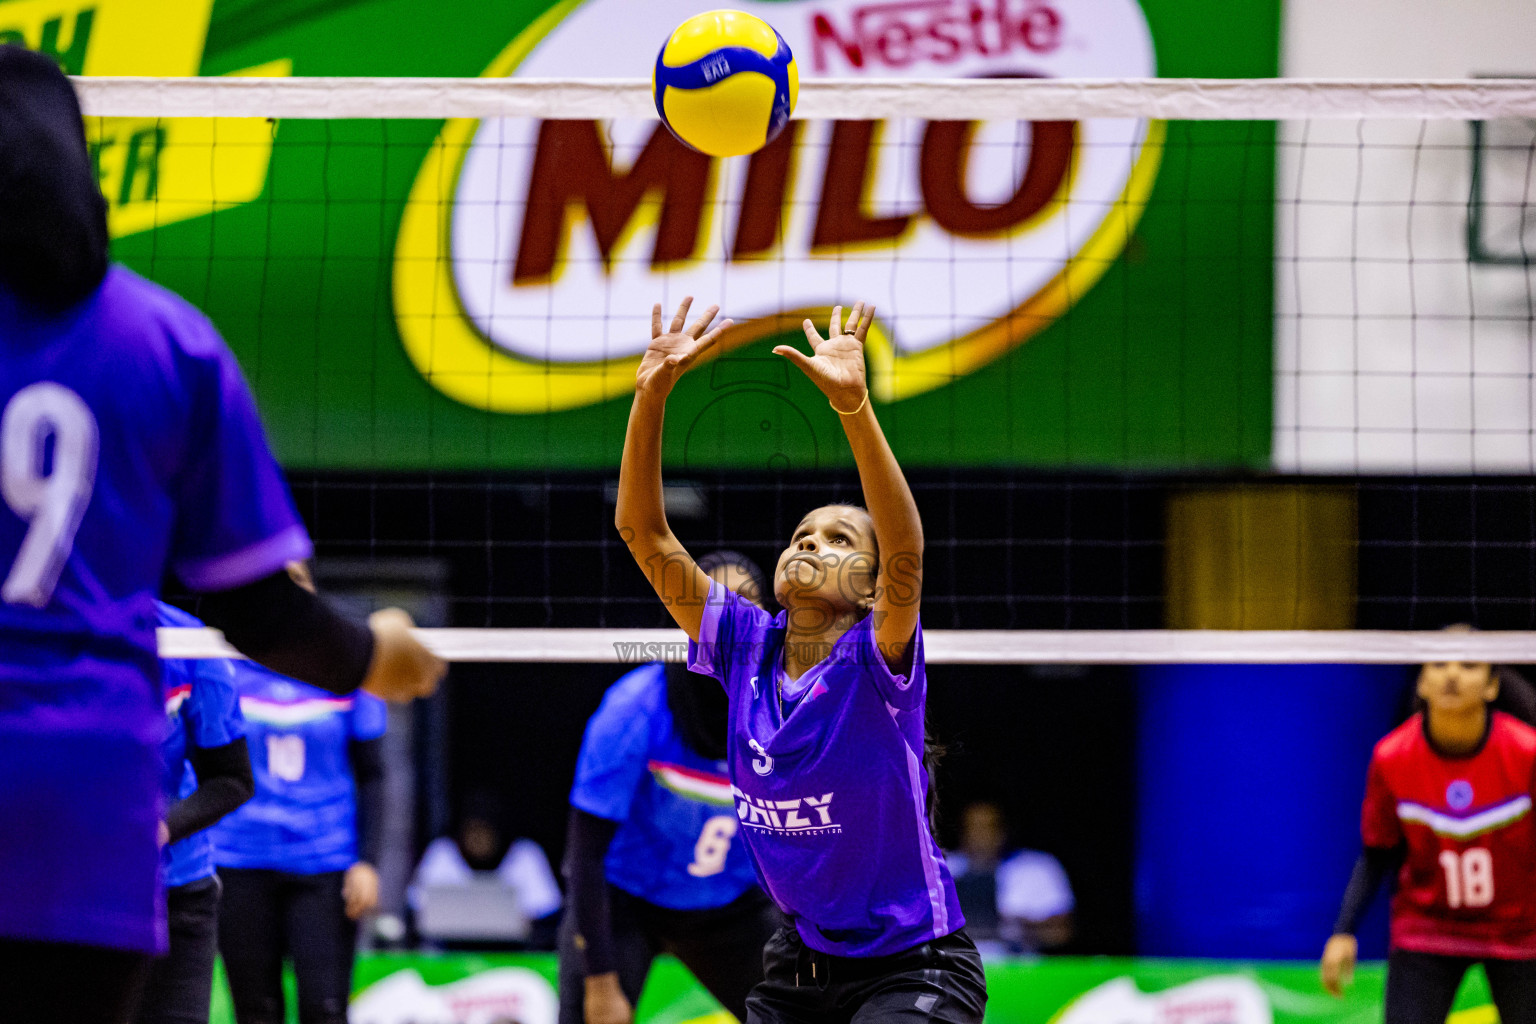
(129, 445)
(652, 859)
(826, 707)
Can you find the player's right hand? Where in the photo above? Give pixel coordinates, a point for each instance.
(674, 349)
(1338, 966)
(604, 1001)
(402, 669)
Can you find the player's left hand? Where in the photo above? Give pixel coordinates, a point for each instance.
(837, 367)
(1338, 964)
(360, 889)
(402, 668)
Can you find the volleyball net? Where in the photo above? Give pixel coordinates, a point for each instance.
(1099, 301)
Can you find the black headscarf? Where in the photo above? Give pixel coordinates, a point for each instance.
(53, 220)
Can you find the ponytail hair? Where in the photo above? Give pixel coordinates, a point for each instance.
(1516, 697)
(933, 753)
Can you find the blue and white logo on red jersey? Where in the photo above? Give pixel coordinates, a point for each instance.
(1458, 795)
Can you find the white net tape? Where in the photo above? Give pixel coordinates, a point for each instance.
(976, 647)
(978, 99)
(975, 99)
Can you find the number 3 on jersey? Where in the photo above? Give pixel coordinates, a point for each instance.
(1468, 877)
(713, 845)
(48, 447)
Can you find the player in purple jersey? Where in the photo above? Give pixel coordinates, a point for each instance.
(129, 445)
(826, 706)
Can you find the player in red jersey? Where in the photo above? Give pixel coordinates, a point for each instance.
(1448, 806)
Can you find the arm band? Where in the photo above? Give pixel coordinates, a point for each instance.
(293, 632)
(1375, 863)
(586, 846)
(367, 758)
(224, 782)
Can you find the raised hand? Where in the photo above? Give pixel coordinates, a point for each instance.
(837, 366)
(673, 351)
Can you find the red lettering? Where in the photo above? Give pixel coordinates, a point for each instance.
(944, 32)
(841, 219)
(905, 32)
(761, 223)
(1041, 29)
(571, 165)
(942, 164)
(894, 44)
(824, 32)
(978, 30)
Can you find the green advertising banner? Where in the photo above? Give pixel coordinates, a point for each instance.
(519, 989)
(410, 294)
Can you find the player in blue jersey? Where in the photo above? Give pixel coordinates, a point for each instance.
(297, 860)
(129, 446)
(207, 775)
(827, 704)
(652, 863)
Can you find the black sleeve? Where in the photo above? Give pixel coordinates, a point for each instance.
(367, 758)
(286, 628)
(224, 782)
(586, 845)
(1375, 863)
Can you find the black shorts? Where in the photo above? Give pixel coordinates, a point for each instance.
(267, 915)
(1422, 986)
(58, 983)
(180, 983)
(722, 946)
(940, 980)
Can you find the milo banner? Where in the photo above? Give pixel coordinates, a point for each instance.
(473, 294)
(519, 989)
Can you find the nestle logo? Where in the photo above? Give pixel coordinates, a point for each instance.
(716, 69)
(908, 32)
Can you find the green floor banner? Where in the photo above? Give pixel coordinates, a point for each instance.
(520, 989)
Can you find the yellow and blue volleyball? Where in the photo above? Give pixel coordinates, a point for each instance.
(725, 83)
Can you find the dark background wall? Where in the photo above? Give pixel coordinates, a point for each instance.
(1054, 745)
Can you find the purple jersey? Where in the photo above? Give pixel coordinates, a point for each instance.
(128, 443)
(831, 797)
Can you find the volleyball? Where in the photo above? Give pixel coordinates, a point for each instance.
(725, 83)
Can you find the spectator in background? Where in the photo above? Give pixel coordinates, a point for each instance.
(1019, 903)
(478, 851)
